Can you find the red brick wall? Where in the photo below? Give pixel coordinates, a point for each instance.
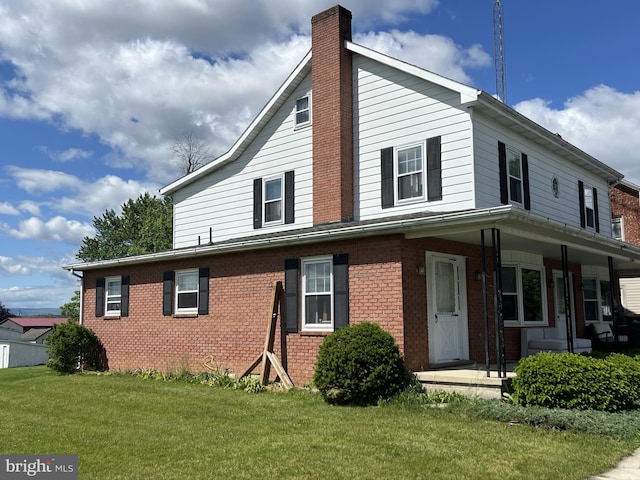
(240, 289)
(332, 116)
(625, 204)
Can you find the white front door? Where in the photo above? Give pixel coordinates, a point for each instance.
(447, 308)
(560, 307)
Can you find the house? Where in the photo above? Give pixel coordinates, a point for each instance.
(625, 220)
(22, 340)
(375, 191)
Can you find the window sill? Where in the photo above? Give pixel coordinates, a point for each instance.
(185, 315)
(112, 317)
(315, 333)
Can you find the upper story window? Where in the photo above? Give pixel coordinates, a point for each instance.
(617, 228)
(523, 301)
(515, 176)
(303, 111)
(186, 300)
(273, 200)
(317, 293)
(113, 295)
(588, 204)
(513, 169)
(410, 173)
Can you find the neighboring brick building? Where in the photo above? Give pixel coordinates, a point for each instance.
(367, 186)
(625, 218)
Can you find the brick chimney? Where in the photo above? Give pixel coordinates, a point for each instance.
(332, 112)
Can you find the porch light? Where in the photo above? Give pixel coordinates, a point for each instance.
(421, 270)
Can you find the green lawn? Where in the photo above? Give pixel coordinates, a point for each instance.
(125, 427)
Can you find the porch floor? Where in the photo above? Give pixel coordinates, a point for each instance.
(470, 380)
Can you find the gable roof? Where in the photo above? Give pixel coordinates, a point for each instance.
(31, 322)
(469, 96)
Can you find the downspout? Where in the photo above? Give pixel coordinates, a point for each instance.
(81, 293)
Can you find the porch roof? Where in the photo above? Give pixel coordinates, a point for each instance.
(520, 230)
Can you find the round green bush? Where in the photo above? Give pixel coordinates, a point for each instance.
(573, 381)
(360, 365)
(71, 347)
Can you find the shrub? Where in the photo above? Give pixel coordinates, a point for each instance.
(73, 346)
(360, 365)
(573, 381)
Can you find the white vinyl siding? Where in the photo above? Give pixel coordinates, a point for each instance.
(631, 297)
(395, 109)
(544, 166)
(223, 199)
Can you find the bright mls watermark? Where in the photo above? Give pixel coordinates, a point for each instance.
(49, 467)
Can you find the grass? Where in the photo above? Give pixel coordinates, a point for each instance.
(126, 427)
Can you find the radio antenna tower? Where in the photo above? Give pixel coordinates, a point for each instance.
(498, 51)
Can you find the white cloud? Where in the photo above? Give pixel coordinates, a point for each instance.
(57, 229)
(68, 155)
(601, 121)
(38, 181)
(9, 266)
(8, 209)
(433, 52)
(30, 207)
(138, 76)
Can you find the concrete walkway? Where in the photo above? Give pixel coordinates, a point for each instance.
(627, 469)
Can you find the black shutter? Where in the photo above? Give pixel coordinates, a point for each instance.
(99, 297)
(124, 296)
(434, 169)
(583, 221)
(289, 197)
(502, 167)
(596, 217)
(341, 290)
(525, 182)
(257, 203)
(291, 295)
(386, 171)
(167, 293)
(203, 291)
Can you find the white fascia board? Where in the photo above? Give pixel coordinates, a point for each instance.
(250, 132)
(467, 94)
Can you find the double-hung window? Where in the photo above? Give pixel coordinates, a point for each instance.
(303, 111)
(617, 230)
(186, 291)
(597, 299)
(515, 176)
(273, 200)
(317, 293)
(410, 173)
(113, 296)
(523, 299)
(588, 207)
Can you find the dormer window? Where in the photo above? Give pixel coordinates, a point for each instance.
(303, 111)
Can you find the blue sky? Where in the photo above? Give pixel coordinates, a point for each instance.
(94, 92)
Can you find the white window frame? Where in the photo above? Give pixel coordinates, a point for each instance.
(317, 326)
(598, 300)
(513, 154)
(619, 220)
(521, 322)
(178, 292)
(115, 298)
(589, 206)
(298, 110)
(421, 173)
(265, 201)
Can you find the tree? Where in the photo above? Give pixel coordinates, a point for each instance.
(192, 152)
(71, 309)
(145, 226)
(4, 312)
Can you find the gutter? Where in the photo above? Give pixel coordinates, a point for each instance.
(392, 226)
(80, 316)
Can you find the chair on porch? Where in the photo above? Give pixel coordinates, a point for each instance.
(604, 339)
(550, 339)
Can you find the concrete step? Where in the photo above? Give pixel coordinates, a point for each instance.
(469, 382)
